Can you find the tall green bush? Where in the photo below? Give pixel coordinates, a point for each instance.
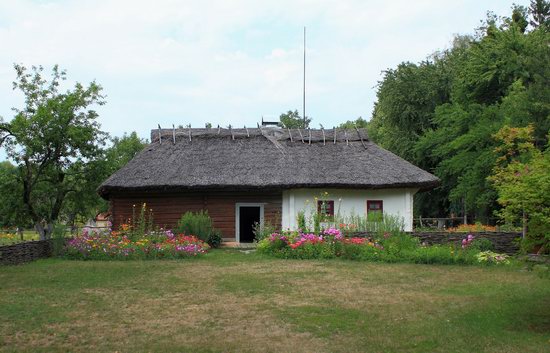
(200, 225)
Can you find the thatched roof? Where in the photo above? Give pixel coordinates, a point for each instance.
(184, 159)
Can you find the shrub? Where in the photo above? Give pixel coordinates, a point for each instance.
(262, 231)
(199, 224)
(483, 244)
(489, 257)
(396, 247)
(215, 238)
(376, 224)
(301, 220)
(58, 239)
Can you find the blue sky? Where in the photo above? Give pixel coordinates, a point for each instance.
(227, 62)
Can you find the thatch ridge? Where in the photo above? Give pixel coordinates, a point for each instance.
(280, 134)
(187, 159)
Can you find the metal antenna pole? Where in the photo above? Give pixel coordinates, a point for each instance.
(304, 96)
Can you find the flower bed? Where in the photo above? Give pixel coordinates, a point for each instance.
(388, 247)
(8, 238)
(117, 245)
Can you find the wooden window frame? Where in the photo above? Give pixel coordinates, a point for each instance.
(328, 216)
(370, 202)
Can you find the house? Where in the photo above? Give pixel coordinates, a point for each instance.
(243, 176)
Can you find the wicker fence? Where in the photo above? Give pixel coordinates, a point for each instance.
(504, 242)
(25, 252)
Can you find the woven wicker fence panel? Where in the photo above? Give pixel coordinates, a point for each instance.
(25, 252)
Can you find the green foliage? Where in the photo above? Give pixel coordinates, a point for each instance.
(59, 239)
(441, 113)
(262, 231)
(293, 120)
(301, 220)
(215, 239)
(141, 224)
(483, 244)
(58, 149)
(352, 124)
(374, 223)
(12, 209)
(522, 180)
(540, 14)
(54, 140)
(395, 247)
(200, 225)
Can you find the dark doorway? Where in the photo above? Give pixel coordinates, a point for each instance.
(248, 215)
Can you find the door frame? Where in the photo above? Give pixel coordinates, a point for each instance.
(238, 205)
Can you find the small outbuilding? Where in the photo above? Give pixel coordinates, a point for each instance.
(244, 176)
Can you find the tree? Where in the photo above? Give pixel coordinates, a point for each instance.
(12, 209)
(54, 141)
(521, 177)
(352, 124)
(292, 120)
(540, 14)
(122, 150)
(86, 203)
(441, 113)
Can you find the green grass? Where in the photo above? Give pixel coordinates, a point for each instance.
(228, 301)
(28, 235)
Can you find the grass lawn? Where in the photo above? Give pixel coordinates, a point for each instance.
(229, 301)
(28, 235)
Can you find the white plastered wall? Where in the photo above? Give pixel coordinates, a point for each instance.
(398, 202)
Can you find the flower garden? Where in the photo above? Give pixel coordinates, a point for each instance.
(393, 246)
(122, 246)
(8, 238)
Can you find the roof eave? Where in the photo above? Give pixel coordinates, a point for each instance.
(105, 190)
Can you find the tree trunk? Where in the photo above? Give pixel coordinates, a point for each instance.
(44, 230)
(464, 210)
(524, 225)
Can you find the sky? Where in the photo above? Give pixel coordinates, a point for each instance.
(227, 62)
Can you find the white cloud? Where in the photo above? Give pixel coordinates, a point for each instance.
(226, 61)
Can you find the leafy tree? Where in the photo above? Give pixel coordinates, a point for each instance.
(522, 180)
(54, 140)
(441, 113)
(351, 124)
(86, 203)
(540, 14)
(519, 17)
(122, 150)
(293, 120)
(12, 209)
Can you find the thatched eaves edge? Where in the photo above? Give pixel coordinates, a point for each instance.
(106, 191)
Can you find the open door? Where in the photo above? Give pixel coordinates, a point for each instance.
(247, 216)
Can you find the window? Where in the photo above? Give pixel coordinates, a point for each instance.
(375, 206)
(325, 208)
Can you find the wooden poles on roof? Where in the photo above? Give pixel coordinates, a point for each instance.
(280, 134)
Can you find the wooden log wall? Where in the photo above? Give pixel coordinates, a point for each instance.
(168, 208)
